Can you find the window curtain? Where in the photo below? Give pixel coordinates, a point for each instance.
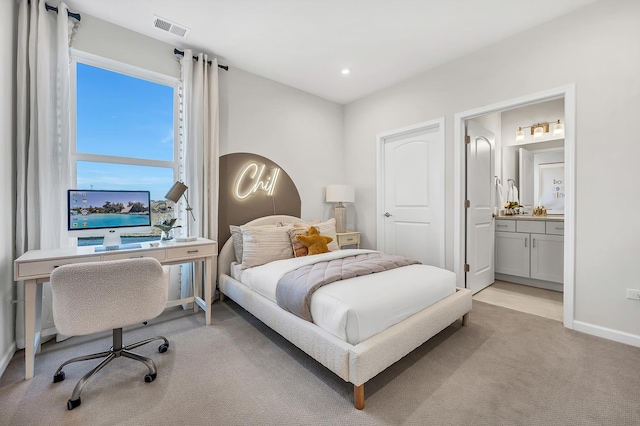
(199, 150)
(42, 145)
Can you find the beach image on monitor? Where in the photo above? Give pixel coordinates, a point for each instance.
(108, 209)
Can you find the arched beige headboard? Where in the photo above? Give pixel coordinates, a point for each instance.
(281, 199)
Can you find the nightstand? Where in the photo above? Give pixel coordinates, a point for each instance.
(348, 238)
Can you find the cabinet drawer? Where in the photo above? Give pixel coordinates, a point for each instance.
(506, 225)
(349, 239)
(555, 228)
(156, 254)
(37, 269)
(536, 227)
(176, 253)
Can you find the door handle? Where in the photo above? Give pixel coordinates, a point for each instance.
(387, 214)
(525, 242)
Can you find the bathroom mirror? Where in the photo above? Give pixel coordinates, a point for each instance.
(549, 187)
(541, 176)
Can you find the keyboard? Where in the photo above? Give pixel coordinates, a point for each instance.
(120, 247)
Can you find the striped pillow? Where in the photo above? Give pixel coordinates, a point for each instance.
(262, 245)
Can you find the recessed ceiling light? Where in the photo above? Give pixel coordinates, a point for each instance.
(345, 71)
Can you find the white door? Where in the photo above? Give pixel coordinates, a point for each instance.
(480, 196)
(411, 215)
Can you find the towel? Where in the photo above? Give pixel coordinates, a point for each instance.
(498, 195)
(512, 194)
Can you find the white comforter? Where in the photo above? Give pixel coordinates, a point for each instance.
(358, 308)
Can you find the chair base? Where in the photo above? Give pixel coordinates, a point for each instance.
(116, 351)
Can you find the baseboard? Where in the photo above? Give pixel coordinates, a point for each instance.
(547, 285)
(607, 333)
(6, 358)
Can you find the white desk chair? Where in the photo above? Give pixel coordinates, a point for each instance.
(97, 296)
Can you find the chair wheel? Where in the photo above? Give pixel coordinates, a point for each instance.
(150, 377)
(163, 348)
(58, 377)
(71, 404)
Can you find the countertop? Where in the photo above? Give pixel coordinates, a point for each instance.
(549, 218)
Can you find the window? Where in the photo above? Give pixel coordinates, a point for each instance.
(125, 135)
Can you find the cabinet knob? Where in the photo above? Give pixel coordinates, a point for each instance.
(387, 214)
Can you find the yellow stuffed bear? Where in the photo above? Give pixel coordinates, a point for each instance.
(315, 242)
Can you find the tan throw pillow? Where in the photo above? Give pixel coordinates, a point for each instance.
(328, 229)
(299, 249)
(262, 245)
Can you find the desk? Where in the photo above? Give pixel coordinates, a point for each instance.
(35, 266)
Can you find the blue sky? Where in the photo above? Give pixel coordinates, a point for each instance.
(123, 116)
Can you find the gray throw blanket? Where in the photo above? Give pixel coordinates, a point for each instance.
(295, 288)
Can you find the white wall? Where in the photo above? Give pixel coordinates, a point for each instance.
(8, 36)
(300, 132)
(597, 49)
(120, 44)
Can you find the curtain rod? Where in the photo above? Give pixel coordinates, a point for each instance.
(181, 53)
(69, 13)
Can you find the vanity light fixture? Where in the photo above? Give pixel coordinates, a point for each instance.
(539, 129)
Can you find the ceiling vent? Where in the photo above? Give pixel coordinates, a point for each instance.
(170, 27)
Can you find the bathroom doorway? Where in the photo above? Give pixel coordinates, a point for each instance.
(565, 95)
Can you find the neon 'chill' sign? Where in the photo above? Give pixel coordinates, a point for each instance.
(252, 178)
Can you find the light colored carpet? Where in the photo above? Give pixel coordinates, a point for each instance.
(505, 368)
(523, 298)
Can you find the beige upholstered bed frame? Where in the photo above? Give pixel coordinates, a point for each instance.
(353, 363)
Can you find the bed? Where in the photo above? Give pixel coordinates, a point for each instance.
(358, 351)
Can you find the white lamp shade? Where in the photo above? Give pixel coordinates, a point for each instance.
(520, 135)
(340, 194)
(538, 132)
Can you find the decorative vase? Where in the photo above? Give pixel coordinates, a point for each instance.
(167, 235)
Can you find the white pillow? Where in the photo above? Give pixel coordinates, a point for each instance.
(262, 245)
(328, 229)
(236, 236)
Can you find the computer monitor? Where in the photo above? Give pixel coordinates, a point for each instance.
(108, 213)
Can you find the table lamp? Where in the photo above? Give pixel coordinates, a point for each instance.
(340, 194)
(178, 190)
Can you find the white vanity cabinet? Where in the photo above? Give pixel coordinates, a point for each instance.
(530, 251)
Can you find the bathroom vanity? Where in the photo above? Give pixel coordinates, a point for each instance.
(530, 250)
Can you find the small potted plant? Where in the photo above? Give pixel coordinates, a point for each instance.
(511, 208)
(167, 229)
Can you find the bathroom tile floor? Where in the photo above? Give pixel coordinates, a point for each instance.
(523, 298)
